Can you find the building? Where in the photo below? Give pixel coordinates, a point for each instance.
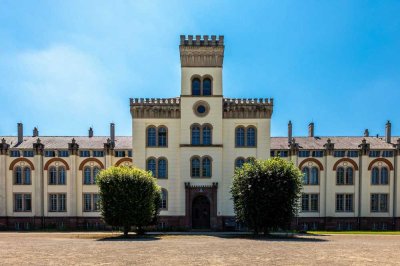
(192, 144)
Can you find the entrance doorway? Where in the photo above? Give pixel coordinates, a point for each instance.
(201, 213)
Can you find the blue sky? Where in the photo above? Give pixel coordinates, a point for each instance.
(69, 65)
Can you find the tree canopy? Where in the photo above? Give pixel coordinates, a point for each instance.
(128, 197)
(265, 193)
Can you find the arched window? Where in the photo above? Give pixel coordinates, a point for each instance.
(384, 176)
(162, 168)
(207, 86)
(375, 176)
(196, 86)
(195, 135)
(62, 176)
(251, 137)
(151, 137)
(18, 175)
(164, 199)
(206, 165)
(239, 137)
(52, 176)
(96, 171)
(207, 136)
(27, 176)
(349, 176)
(239, 162)
(314, 180)
(340, 176)
(306, 175)
(162, 137)
(87, 172)
(195, 167)
(151, 166)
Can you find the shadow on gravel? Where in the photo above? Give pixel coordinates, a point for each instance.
(275, 238)
(131, 238)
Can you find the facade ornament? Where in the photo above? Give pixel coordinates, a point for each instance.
(38, 147)
(293, 147)
(364, 147)
(397, 146)
(329, 147)
(4, 147)
(109, 146)
(73, 147)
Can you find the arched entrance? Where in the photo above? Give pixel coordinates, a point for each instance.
(201, 213)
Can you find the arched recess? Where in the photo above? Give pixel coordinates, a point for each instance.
(352, 162)
(321, 167)
(13, 163)
(90, 160)
(386, 161)
(46, 166)
(119, 162)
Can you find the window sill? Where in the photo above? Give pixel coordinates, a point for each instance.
(201, 145)
(201, 177)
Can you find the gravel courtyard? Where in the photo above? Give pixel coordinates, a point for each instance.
(92, 248)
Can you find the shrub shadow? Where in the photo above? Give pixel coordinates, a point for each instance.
(130, 238)
(276, 238)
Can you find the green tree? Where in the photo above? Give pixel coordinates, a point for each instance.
(265, 193)
(128, 197)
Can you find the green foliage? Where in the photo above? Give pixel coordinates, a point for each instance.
(128, 197)
(265, 193)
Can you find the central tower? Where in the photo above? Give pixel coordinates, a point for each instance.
(201, 65)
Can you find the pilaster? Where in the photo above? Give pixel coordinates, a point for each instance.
(38, 196)
(3, 176)
(73, 148)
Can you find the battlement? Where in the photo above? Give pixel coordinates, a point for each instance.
(199, 41)
(155, 107)
(202, 52)
(248, 108)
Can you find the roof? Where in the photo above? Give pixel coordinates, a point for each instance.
(125, 142)
(61, 142)
(344, 143)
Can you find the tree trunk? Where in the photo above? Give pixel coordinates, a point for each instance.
(140, 230)
(126, 230)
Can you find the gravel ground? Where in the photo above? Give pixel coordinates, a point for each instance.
(92, 248)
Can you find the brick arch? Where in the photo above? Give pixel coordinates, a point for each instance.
(46, 166)
(381, 160)
(118, 163)
(355, 166)
(90, 160)
(321, 167)
(13, 163)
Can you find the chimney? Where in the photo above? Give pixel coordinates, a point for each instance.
(35, 132)
(112, 132)
(388, 132)
(366, 133)
(20, 133)
(290, 133)
(90, 132)
(311, 129)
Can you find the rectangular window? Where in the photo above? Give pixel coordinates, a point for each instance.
(282, 154)
(339, 153)
(129, 153)
(309, 202)
(28, 153)
(91, 202)
(27, 202)
(14, 154)
(272, 153)
(63, 153)
(304, 153)
(84, 153)
(119, 153)
(318, 154)
(352, 154)
(374, 153)
(18, 203)
(22, 202)
(57, 202)
(387, 153)
(379, 202)
(49, 154)
(98, 153)
(344, 203)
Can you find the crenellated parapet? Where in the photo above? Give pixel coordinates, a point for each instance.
(155, 107)
(247, 108)
(201, 51)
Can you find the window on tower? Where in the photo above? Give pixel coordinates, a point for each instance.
(196, 87)
(207, 86)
